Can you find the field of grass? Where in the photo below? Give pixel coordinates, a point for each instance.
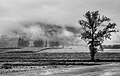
(22, 61)
(29, 57)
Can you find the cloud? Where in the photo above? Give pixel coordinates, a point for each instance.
(14, 13)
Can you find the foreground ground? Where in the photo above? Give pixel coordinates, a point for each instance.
(31, 63)
(112, 69)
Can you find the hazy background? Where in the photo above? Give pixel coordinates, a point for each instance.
(15, 13)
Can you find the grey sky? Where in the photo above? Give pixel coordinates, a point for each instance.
(15, 12)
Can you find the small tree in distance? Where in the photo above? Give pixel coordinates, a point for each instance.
(92, 32)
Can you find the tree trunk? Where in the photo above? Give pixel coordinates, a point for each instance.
(93, 55)
(93, 51)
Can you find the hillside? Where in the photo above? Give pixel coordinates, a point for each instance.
(36, 31)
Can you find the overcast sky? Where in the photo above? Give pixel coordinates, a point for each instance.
(15, 12)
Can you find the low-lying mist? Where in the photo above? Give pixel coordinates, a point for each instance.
(44, 31)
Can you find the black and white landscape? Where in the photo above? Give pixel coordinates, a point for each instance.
(59, 38)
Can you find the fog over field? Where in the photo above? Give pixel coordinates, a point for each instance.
(15, 14)
(43, 38)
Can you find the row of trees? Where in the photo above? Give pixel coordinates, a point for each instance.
(37, 43)
(111, 46)
(47, 33)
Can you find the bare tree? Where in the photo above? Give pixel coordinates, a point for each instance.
(92, 32)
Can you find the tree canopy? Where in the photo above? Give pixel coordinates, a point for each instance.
(91, 24)
(92, 32)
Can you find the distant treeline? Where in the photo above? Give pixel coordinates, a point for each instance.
(53, 33)
(111, 46)
(37, 43)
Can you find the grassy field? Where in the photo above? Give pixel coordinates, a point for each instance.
(26, 57)
(30, 57)
(14, 62)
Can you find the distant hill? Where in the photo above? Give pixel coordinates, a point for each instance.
(50, 31)
(111, 46)
(74, 30)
